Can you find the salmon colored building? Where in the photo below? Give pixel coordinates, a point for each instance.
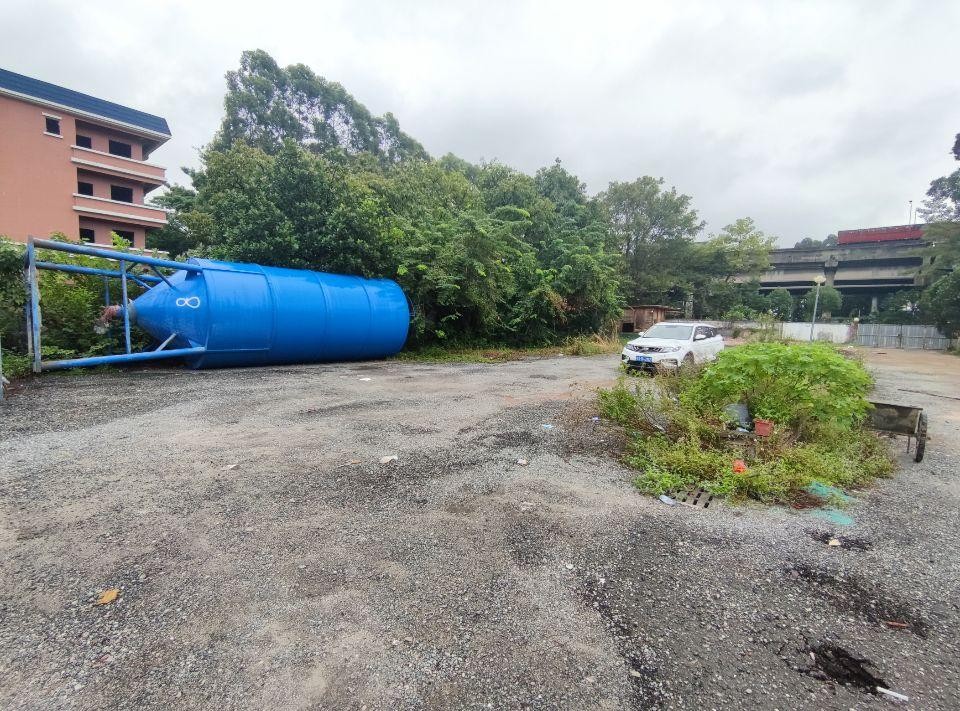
(75, 164)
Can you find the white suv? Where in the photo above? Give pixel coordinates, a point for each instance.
(670, 345)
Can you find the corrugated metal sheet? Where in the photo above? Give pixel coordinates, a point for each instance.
(82, 102)
(891, 335)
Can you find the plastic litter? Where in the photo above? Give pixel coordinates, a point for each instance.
(892, 694)
(825, 491)
(833, 542)
(667, 500)
(522, 462)
(763, 428)
(739, 466)
(738, 413)
(834, 516)
(365, 380)
(547, 427)
(388, 459)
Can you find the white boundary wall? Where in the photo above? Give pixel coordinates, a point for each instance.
(875, 335)
(832, 332)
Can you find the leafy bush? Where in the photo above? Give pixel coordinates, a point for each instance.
(793, 385)
(680, 438)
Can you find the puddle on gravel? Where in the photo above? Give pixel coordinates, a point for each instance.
(834, 663)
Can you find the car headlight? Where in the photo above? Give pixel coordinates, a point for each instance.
(632, 347)
(670, 349)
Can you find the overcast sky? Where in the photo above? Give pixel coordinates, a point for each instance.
(807, 116)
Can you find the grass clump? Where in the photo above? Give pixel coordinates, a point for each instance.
(681, 438)
(575, 345)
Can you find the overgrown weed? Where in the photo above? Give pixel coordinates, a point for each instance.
(680, 437)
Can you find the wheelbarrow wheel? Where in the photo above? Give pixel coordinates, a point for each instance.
(921, 438)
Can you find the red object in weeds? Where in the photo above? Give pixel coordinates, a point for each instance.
(739, 466)
(763, 428)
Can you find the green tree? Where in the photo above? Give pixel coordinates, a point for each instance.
(811, 243)
(830, 301)
(174, 237)
(900, 307)
(655, 229)
(940, 303)
(267, 104)
(301, 175)
(740, 249)
(941, 210)
(780, 303)
(294, 209)
(943, 196)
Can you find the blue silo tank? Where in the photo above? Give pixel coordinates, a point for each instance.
(247, 314)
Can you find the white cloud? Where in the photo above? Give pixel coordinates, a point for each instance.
(808, 117)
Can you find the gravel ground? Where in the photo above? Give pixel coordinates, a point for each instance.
(266, 559)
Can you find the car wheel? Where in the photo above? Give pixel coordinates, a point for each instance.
(688, 360)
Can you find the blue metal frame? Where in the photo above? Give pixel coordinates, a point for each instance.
(74, 269)
(32, 265)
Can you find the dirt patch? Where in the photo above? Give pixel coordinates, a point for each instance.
(342, 408)
(854, 594)
(513, 439)
(852, 543)
(641, 670)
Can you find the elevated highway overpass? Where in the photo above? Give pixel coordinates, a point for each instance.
(871, 268)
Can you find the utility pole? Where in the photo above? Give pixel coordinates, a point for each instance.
(818, 280)
(910, 213)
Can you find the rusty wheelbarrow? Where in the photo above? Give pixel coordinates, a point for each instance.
(902, 420)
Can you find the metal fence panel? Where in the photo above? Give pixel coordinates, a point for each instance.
(891, 335)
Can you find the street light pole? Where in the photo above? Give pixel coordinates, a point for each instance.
(818, 280)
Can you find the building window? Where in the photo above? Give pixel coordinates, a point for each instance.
(86, 234)
(84, 188)
(84, 141)
(119, 148)
(120, 193)
(126, 234)
(52, 125)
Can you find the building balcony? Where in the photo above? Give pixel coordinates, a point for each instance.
(117, 211)
(118, 166)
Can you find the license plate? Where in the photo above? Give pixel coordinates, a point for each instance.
(642, 359)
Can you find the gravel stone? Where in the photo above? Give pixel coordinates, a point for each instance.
(265, 559)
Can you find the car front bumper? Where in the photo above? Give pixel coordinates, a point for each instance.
(649, 361)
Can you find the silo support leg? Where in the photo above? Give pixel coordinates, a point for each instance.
(126, 311)
(33, 294)
(166, 342)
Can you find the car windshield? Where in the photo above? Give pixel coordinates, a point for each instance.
(676, 331)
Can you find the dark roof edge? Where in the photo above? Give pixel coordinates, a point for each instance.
(83, 105)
